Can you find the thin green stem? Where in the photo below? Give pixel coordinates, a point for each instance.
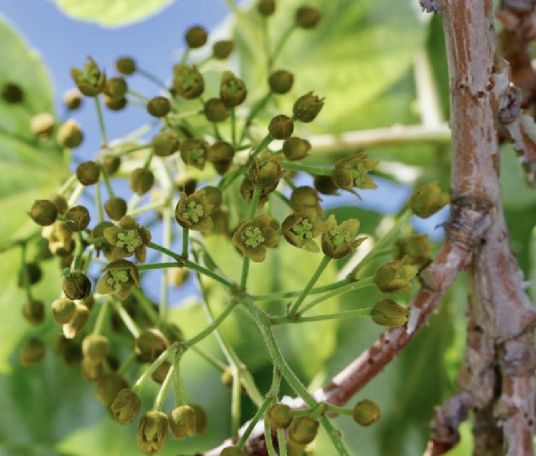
(229, 178)
(281, 442)
(233, 127)
(262, 145)
(177, 387)
(334, 316)
(289, 182)
(107, 181)
(126, 318)
(77, 263)
(125, 365)
(323, 264)
(291, 294)
(166, 242)
(215, 362)
(283, 198)
(236, 401)
(146, 304)
(98, 202)
(122, 153)
(101, 122)
(161, 396)
(151, 78)
(309, 169)
(77, 192)
(25, 274)
(67, 184)
(251, 214)
(185, 242)
(140, 383)
(339, 410)
(101, 317)
(210, 328)
(268, 439)
(147, 208)
(138, 95)
(279, 46)
(253, 113)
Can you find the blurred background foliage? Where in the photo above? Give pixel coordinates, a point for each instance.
(366, 58)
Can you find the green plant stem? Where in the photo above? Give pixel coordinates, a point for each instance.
(126, 318)
(290, 183)
(279, 46)
(210, 328)
(101, 317)
(166, 242)
(147, 208)
(339, 410)
(25, 274)
(215, 362)
(253, 113)
(79, 189)
(309, 169)
(363, 283)
(140, 383)
(229, 178)
(107, 182)
(282, 443)
(236, 401)
(262, 145)
(268, 439)
(77, 263)
(148, 160)
(149, 76)
(177, 387)
(185, 242)
(334, 316)
(146, 304)
(122, 153)
(292, 294)
(161, 396)
(138, 95)
(67, 184)
(319, 270)
(98, 202)
(125, 365)
(252, 210)
(233, 127)
(101, 122)
(283, 198)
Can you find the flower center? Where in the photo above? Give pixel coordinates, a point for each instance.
(117, 278)
(196, 155)
(303, 229)
(193, 212)
(253, 237)
(129, 239)
(359, 173)
(340, 237)
(233, 87)
(188, 80)
(91, 77)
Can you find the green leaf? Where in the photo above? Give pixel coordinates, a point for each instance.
(112, 13)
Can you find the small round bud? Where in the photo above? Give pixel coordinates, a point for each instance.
(115, 104)
(88, 173)
(76, 285)
(116, 88)
(12, 93)
(395, 277)
(78, 322)
(222, 49)
(232, 451)
(186, 183)
(159, 107)
(388, 313)
(307, 107)
(70, 135)
(34, 312)
(165, 144)
(150, 344)
(216, 110)
(178, 276)
(182, 421)
(416, 248)
(91, 371)
(95, 347)
(200, 419)
(304, 198)
(33, 272)
(109, 387)
(366, 412)
(307, 17)
(125, 65)
(89, 302)
(281, 127)
(429, 199)
(279, 416)
(266, 7)
(60, 202)
(126, 406)
(281, 81)
(196, 37)
(42, 125)
(220, 152)
(302, 430)
(63, 310)
(187, 81)
(296, 148)
(152, 432)
(72, 99)
(77, 218)
(160, 374)
(116, 208)
(43, 212)
(232, 89)
(141, 181)
(326, 185)
(32, 352)
(111, 164)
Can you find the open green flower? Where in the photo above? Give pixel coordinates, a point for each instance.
(129, 238)
(353, 172)
(194, 153)
(119, 278)
(193, 211)
(301, 228)
(339, 241)
(254, 236)
(91, 80)
(188, 81)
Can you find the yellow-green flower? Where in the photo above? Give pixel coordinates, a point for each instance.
(301, 228)
(254, 236)
(129, 238)
(119, 278)
(193, 211)
(353, 172)
(339, 241)
(91, 80)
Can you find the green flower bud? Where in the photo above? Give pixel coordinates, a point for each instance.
(281, 81)
(366, 412)
(42, 125)
(76, 285)
(214, 197)
(165, 144)
(389, 313)
(60, 202)
(125, 65)
(281, 127)
(90, 81)
(307, 107)
(232, 451)
(92, 371)
(266, 7)
(194, 152)
(187, 81)
(116, 208)
(216, 111)
(220, 221)
(116, 88)
(109, 387)
(69, 350)
(222, 49)
(173, 333)
(339, 241)
(32, 351)
(119, 278)
(115, 104)
(159, 107)
(95, 347)
(307, 17)
(152, 432)
(159, 375)
(200, 419)
(182, 422)
(254, 236)
(88, 173)
(232, 90)
(43, 212)
(34, 312)
(266, 170)
(279, 416)
(220, 152)
(302, 430)
(428, 200)
(129, 238)
(395, 277)
(111, 164)
(33, 272)
(186, 183)
(126, 406)
(296, 148)
(72, 99)
(196, 37)
(77, 218)
(141, 181)
(304, 198)
(326, 185)
(12, 93)
(78, 322)
(70, 135)
(61, 242)
(226, 377)
(353, 171)
(193, 211)
(417, 249)
(150, 344)
(63, 310)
